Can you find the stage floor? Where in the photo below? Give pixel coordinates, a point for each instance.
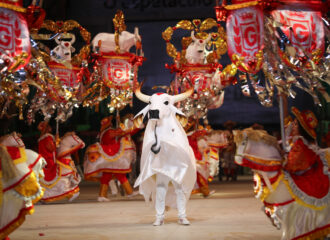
(232, 213)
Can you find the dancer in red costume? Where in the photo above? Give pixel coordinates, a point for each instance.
(47, 149)
(111, 158)
(61, 177)
(301, 137)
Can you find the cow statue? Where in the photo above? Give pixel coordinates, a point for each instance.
(195, 50)
(106, 41)
(166, 155)
(64, 49)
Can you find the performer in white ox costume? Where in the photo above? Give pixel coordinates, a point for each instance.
(166, 154)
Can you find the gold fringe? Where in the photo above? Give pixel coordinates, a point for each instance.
(123, 143)
(263, 161)
(316, 235)
(29, 186)
(266, 190)
(54, 183)
(298, 200)
(65, 195)
(37, 199)
(19, 221)
(12, 7)
(91, 177)
(241, 5)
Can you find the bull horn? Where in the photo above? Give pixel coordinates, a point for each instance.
(142, 97)
(136, 34)
(208, 38)
(57, 40)
(182, 96)
(193, 35)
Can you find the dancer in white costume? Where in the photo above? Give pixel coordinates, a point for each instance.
(166, 154)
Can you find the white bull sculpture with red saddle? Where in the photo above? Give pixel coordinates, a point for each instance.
(166, 154)
(106, 41)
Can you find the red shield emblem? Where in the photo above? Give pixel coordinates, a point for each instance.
(303, 28)
(14, 34)
(117, 72)
(245, 33)
(67, 76)
(198, 79)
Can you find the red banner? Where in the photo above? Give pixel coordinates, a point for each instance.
(14, 34)
(245, 35)
(117, 70)
(303, 27)
(67, 76)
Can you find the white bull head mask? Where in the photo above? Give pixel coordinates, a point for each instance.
(160, 106)
(64, 49)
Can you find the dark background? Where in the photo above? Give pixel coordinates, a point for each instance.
(153, 17)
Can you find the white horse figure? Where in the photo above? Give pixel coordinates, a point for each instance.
(13, 140)
(299, 215)
(21, 169)
(65, 184)
(34, 160)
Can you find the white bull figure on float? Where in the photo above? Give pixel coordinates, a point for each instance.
(106, 41)
(166, 154)
(195, 50)
(64, 49)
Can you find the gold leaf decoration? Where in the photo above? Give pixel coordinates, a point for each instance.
(221, 46)
(171, 50)
(212, 57)
(69, 25)
(50, 25)
(208, 24)
(119, 21)
(185, 24)
(167, 34)
(202, 35)
(85, 35)
(83, 54)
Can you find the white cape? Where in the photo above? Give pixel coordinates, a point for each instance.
(176, 159)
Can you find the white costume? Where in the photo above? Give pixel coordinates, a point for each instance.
(166, 153)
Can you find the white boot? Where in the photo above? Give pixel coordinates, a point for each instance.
(74, 196)
(134, 193)
(161, 190)
(181, 204)
(159, 220)
(183, 221)
(103, 199)
(113, 187)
